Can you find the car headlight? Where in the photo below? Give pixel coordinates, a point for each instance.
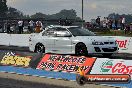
(97, 43)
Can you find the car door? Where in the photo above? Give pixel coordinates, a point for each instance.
(49, 39)
(63, 44)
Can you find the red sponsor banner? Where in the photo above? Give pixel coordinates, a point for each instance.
(108, 78)
(66, 63)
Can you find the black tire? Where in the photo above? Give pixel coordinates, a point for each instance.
(81, 80)
(81, 50)
(39, 48)
(107, 55)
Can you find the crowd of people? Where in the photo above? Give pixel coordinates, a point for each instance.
(37, 26)
(31, 26)
(20, 26)
(108, 23)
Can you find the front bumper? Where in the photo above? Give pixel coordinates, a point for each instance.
(102, 49)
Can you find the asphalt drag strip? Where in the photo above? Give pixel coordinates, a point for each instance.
(125, 56)
(8, 80)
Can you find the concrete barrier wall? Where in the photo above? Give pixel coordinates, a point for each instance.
(21, 40)
(4, 39)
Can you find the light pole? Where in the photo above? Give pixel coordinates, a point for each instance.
(82, 13)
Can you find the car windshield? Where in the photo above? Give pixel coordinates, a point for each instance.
(78, 31)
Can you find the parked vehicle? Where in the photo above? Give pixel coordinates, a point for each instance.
(72, 40)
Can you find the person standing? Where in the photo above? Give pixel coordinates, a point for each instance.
(130, 29)
(98, 21)
(31, 26)
(60, 21)
(104, 22)
(20, 26)
(116, 23)
(123, 23)
(1, 28)
(107, 22)
(38, 27)
(8, 28)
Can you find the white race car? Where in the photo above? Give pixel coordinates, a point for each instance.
(72, 40)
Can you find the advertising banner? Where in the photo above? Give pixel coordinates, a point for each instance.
(66, 63)
(112, 66)
(22, 59)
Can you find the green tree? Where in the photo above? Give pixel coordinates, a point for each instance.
(69, 14)
(63, 14)
(3, 8)
(14, 13)
(38, 15)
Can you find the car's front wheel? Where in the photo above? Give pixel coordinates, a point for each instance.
(39, 48)
(81, 50)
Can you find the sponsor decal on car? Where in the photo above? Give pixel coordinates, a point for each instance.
(122, 43)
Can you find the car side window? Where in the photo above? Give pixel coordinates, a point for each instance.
(60, 29)
(49, 32)
(61, 32)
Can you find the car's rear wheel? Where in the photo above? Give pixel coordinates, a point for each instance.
(39, 48)
(81, 50)
(107, 55)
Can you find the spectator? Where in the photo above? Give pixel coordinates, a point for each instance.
(60, 22)
(107, 22)
(38, 26)
(131, 28)
(88, 25)
(127, 28)
(116, 23)
(67, 22)
(104, 22)
(31, 26)
(110, 24)
(123, 23)
(8, 28)
(20, 25)
(98, 21)
(1, 28)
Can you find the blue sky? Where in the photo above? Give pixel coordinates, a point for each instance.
(92, 8)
